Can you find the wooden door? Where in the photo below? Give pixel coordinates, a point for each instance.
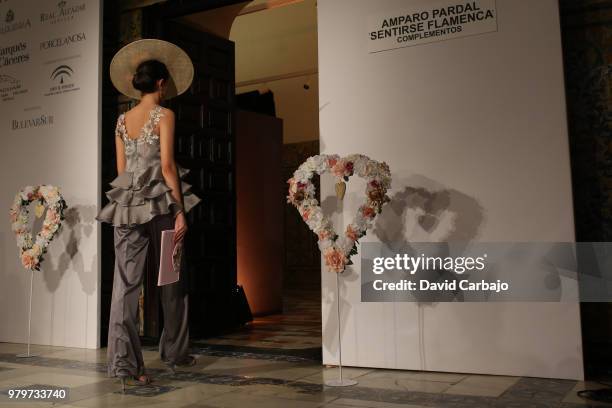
(110, 111)
(302, 256)
(205, 144)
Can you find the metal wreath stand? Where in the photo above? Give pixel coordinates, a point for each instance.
(340, 381)
(28, 354)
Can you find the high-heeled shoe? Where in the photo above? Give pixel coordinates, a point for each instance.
(133, 380)
(188, 362)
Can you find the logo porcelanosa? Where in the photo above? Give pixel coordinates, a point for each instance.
(62, 13)
(63, 41)
(11, 24)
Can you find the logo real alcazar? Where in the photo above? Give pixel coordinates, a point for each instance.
(63, 12)
(11, 24)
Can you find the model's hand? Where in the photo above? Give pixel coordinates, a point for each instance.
(180, 227)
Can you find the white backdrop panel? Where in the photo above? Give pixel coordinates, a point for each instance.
(61, 79)
(479, 125)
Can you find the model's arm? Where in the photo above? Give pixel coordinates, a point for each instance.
(166, 141)
(169, 170)
(120, 149)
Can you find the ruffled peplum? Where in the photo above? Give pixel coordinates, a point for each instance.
(139, 196)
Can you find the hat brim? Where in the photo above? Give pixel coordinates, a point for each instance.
(126, 60)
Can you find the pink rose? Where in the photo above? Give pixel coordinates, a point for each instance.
(324, 234)
(296, 191)
(352, 233)
(368, 212)
(334, 259)
(28, 261)
(342, 168)
(338, 169)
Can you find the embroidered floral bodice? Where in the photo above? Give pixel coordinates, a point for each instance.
(141, 192)
(144, 149)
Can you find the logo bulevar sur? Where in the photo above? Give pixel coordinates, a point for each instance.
(42, 120)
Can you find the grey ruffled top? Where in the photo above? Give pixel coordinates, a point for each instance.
(140, 192)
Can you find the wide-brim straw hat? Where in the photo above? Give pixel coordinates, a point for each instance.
(126, 60)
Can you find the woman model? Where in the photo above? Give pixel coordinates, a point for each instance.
(148, 197)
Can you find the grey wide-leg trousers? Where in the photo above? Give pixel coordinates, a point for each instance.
(124, 354)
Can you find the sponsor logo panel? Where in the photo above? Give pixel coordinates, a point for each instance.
(62, 41)
(62, 80)
(12, 22)
(14, 54)
(10, 87)
(64, 11)
(32, 122)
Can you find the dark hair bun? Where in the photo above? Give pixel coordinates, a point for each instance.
(147, 74)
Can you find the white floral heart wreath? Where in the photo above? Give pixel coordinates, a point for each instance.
(31, 251)
(337, 250)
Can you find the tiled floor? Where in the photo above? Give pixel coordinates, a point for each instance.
(275, 363)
